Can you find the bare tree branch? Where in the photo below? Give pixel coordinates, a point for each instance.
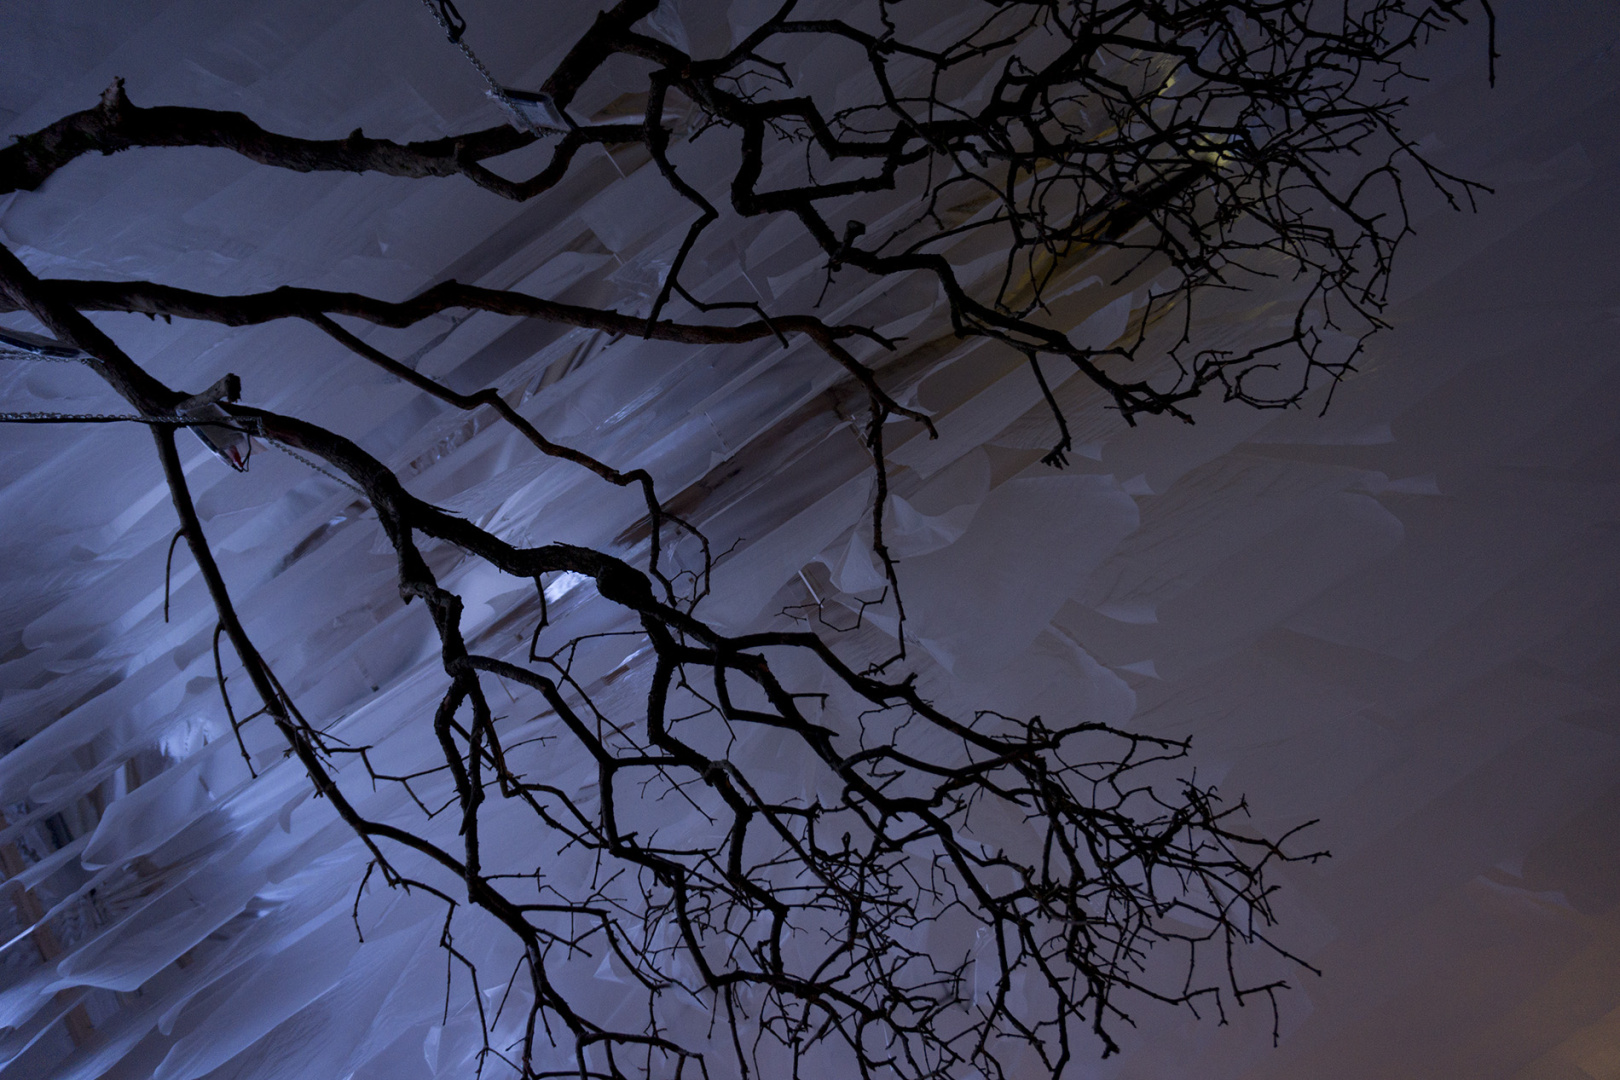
(1189, 149)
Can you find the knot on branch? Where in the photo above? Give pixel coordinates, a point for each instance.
(113, 99)
(623, 584)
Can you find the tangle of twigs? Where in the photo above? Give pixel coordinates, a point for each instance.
(834, 826)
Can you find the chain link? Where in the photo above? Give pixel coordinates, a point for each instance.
(93, 418)
(7, 353)
(178, 421)
(296, 456)
(13, 349)
(455, 28)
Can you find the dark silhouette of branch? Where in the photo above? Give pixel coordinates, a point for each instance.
(910, 780)
(1187, 150)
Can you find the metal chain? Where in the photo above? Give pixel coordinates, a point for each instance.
(443, 12)
(13, 349)
(9, 353)
(296, 456)
(180, 421)
(93, 418)
(455, 28)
